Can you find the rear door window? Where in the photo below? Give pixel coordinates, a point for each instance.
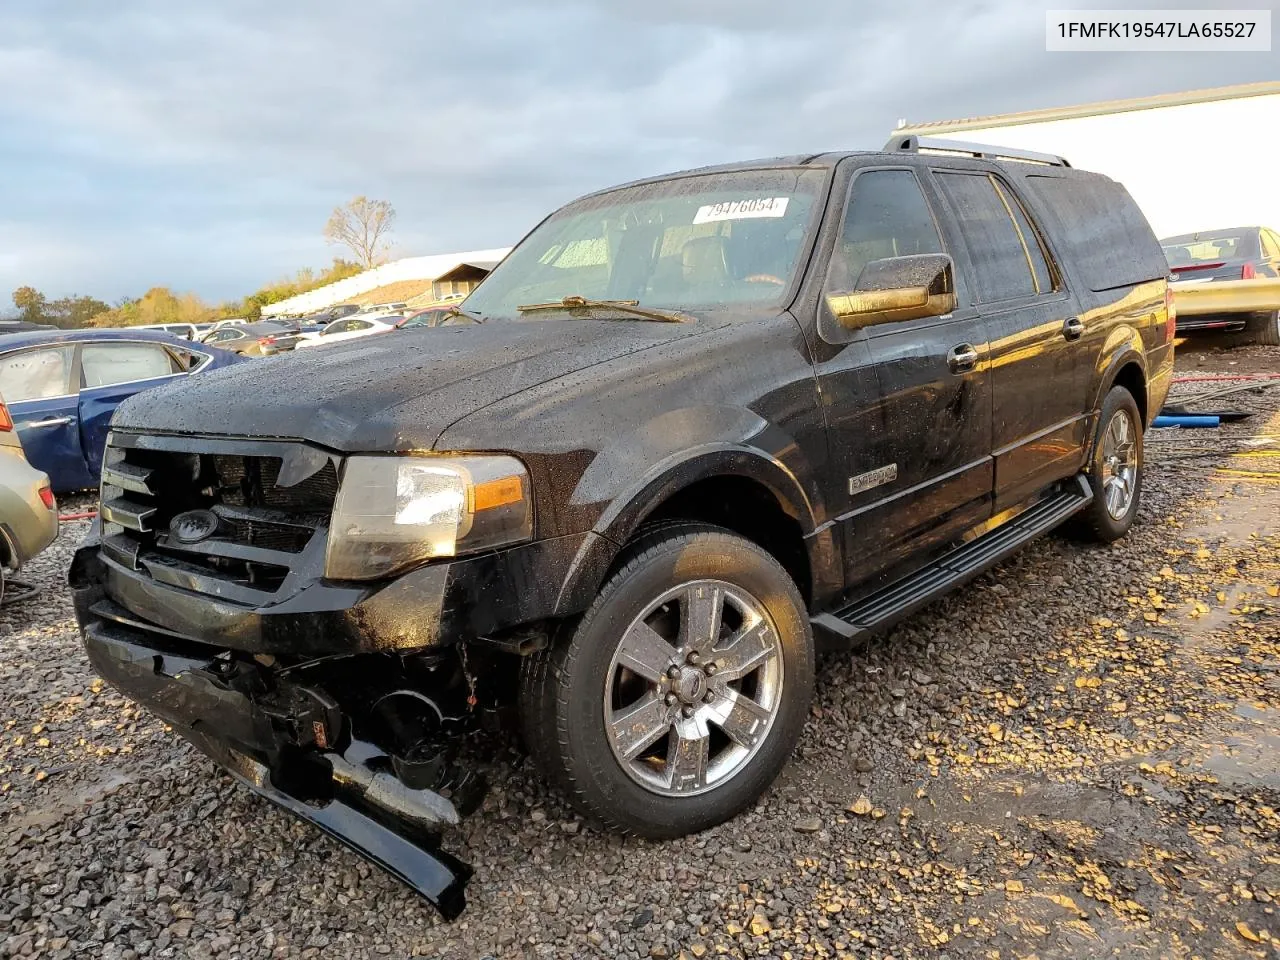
(1032, 241)
(1002, 258)
(36, 374)
(108, 364)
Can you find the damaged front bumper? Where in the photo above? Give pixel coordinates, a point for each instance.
(382, 780)
(202, 594)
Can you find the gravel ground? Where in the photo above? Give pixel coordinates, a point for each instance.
(1077, 755)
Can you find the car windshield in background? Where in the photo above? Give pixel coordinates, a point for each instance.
(426, 318)
(1199, 248)
(699, 241)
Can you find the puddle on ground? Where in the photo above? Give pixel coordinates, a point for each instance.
(1248, 753)
(70, 798)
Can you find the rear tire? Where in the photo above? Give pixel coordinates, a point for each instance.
(1115, 470)
(677, 698)
(1265, 329)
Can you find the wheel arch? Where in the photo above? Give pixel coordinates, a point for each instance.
(1123, 362)
(742, 489)
(1131, 376)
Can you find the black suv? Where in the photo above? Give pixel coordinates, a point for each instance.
(689, 431)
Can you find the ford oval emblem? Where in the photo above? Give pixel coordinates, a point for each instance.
(193, 526)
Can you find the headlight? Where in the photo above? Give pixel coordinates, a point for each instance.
(393, 512)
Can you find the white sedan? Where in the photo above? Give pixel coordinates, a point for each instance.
(348, 328)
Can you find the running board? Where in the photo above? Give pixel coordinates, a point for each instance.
(882, 609)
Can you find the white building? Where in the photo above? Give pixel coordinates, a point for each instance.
(1199, 160)
(432, 268)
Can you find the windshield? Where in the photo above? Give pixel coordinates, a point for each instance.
(700, 241)
(1210, 248)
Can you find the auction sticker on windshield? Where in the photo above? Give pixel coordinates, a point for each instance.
(742, 209)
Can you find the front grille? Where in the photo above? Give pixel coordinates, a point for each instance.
(244, 516)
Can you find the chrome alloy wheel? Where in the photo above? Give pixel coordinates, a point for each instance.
(693, 688)
(1119, 464)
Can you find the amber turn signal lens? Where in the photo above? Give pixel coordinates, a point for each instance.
(498, 493)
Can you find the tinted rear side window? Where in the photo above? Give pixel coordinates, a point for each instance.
(1102, 230)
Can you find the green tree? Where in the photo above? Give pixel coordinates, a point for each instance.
(303, 281)
(73, 312)
(31, 302)
(157, 305)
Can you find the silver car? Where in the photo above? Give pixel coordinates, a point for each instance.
(28, 512)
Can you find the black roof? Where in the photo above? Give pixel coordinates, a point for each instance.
(819, 160)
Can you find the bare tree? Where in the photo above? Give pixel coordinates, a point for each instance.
(362, 226)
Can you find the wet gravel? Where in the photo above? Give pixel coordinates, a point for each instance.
(1077, 755)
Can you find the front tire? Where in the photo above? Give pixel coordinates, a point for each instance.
(680, 694)
(1115, 469)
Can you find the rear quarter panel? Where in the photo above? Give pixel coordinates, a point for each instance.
(1118, 271)
(1131, 327)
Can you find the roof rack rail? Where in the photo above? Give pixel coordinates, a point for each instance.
(982, 151)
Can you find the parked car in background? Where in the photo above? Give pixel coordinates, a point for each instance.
(330, 314)
(28, 511)
(1237, 253)
(430, 317)
(187, 331)
(62, 387)
(250, 339)
(22, 326)
(286, 340)
(382, 309)
(349, 328)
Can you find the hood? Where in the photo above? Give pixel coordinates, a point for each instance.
(391, 391)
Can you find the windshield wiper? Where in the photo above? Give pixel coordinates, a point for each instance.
(631, 307)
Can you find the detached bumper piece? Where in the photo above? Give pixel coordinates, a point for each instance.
(386, 797)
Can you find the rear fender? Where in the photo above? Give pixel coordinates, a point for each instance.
(1123, 347)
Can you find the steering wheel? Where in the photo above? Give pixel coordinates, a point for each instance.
(765, 278)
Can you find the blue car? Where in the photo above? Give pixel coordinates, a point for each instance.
(62, 386)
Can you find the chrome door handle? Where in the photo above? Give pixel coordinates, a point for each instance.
(53, 422)
(1073, 328)
(962, 358)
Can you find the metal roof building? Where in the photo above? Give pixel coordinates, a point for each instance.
(1195, 160)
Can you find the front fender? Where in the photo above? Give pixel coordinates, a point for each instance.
(643, 468)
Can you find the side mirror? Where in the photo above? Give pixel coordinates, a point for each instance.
(896, 289)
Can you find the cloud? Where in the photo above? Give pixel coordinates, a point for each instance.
(203, 146)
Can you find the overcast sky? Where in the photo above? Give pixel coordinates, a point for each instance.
(202, 145)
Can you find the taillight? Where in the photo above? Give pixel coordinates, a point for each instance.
(46, 497)
(1247, 272)
(1171, 314)
(266, 341)
(6, 422)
